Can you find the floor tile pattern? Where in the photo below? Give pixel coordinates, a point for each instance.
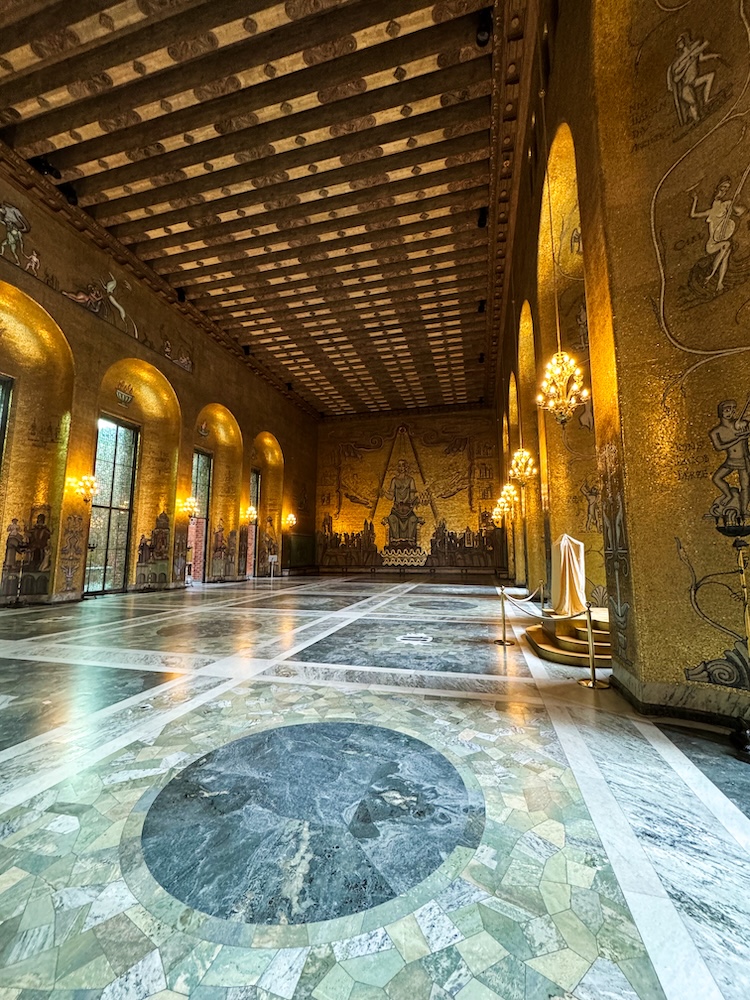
(105, 706)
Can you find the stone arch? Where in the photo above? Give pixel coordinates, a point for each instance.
(217, 432)
(571, 490)
(268, 459)
(531, 548)
(37, 362)
(135, 392)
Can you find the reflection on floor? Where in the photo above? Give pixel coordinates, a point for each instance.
(345, 790)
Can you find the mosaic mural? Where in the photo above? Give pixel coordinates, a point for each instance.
(409, 495)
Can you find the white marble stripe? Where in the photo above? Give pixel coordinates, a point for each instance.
(412, 671)
(342, 622)
(397, 689)
(726, 812)
(53, 777)
(121, 657)
(62, 734)
(679, 965)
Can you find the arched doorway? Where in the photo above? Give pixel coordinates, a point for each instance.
(132, 515)
(36, 391)
(216, 485)
(570, 478)
(267, 494)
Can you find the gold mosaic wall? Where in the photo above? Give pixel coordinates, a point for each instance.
(574, 491)
(675, 85)
(408, 491)
(81, 336)
(656, 101)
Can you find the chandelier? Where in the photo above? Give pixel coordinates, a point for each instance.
(251, 514)
(562, 389)
(522, 468)
(506, 505)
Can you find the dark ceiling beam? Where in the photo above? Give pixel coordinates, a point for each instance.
(408, 304)
(337, 297)
(321, 269)
(158, 31)
(461, 79)
(467, 278)
(290, 224)
(364, 172)
(394, 282)
(43, 19)
(254, 52)
(474, 113)
(376, 328)
(392, 229)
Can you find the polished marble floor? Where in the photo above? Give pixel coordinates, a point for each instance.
(344, 789)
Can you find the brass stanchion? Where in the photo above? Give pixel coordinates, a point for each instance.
(593, 682)
(541, 596)
(504, 641)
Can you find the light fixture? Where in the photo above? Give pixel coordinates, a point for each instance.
(190, 506)
(522, 467)
(251, 514)
(562, 389)
(506, 504)
(484, 28)
(86, 488)
(290, 521)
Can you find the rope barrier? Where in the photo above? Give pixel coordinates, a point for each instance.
(592, 683)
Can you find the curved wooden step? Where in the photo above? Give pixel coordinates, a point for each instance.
(573, 644)
(600, 635)
(542, 646)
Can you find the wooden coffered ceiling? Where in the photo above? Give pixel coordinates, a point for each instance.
(326, 181)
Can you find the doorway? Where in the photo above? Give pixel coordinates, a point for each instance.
(198, 528)
(112, 507)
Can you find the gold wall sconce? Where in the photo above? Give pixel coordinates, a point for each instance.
(86, 487)
(189, 506)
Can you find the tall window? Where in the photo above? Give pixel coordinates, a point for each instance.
(111, 509)
(198, 529)
(255, 488)
(6, 387)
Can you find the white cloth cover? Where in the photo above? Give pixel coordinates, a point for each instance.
(568, 576)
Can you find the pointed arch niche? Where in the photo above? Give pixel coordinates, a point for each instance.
(570, 478)
(138, 409)
(268, 467)
(217, 457)
(36, 392)
(531, 535)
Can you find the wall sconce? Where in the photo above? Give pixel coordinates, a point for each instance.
(290, 521)
(86, 487)
(251, 514)
(190, 507)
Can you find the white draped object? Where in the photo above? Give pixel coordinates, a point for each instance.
(568, 576)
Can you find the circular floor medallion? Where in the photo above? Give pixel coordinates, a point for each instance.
(307, 823)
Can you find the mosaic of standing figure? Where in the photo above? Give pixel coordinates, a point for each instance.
(28, 553)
